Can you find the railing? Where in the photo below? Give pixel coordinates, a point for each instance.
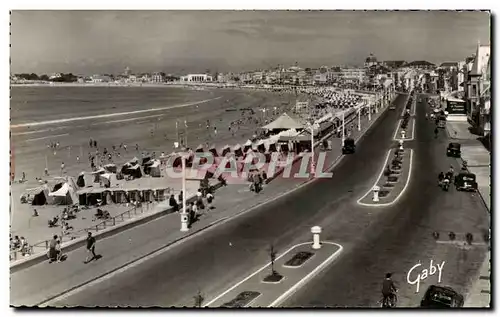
(120, 218)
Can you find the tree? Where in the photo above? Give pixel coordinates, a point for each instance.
(44, 77)
(198, 299)
(272, 255)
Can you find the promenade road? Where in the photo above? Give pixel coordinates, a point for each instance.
(394, 239)
(216, 259)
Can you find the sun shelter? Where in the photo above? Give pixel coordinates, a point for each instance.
(125, 168)
(40, 196)
(238, 152)
(105, 180)
(145, 160)
(80, 182)
(199, 149)
(226, 149)
(247, 145)
(63, 195)
(135, 171)
(120, 196)
(282, 123)
(134, 161)
(149, 195)
(107, 197)
(147, 167)
(271, 145)
(213, 150)
(134, 195)
(154, 169)
(110, 168)
(97, 174)
(260, 146)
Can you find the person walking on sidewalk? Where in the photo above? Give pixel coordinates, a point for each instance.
(90, 248)
(210, 199)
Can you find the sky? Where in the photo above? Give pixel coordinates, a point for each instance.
(98, 42)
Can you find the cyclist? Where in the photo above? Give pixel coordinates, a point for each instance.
(388, 291)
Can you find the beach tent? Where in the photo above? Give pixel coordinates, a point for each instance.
(145, 160)
(199, 149)
(261, 146)
(39, 195)
(135, 171)
(213, 151)
(133, 161)
(226, 149)
(63, 195)
(97, 173)
(105, 180)
(107, 197)
(154, 169)
(237, 150)
(284, 122)
(110, 168)
(247, 145)
(80, 182)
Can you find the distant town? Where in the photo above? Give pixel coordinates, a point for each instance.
(465, 83)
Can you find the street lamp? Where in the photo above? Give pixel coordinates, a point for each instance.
(359, 119)
(184, 215)
(343, 127)
(311, 127)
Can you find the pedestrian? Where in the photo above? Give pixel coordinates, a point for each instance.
(62, 167)
(210, 199)
(95, 143)
(46, 171)
(52, 249)
(125, 147)
(77, 159)
(90, 143)
(181, 197)
(173, 203)
(90, 247)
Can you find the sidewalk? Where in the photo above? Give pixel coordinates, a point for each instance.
(480, 294)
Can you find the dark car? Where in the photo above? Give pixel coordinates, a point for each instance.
(466, 181)
(441, 297)
(453, 150)
(349, 146)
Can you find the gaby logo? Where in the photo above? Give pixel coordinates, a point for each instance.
(242, 168)
(413, 277)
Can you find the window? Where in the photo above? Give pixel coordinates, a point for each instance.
(474, 90)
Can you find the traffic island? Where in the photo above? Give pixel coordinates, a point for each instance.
(296, 267)
(405, 130)
(392, 181)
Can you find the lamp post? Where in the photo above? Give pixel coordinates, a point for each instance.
(359, 119)
(313, 167)
(184, 215)
(343, 127)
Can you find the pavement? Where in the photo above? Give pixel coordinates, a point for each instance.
(478, 160)
(221, 263)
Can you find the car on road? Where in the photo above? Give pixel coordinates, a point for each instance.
(453, 150)
(349, 146)
(466, 181)
(441, 297)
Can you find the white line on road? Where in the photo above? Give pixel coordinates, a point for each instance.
(395, 200)
(32, 124)
(309, 276)
(293, 288)
(378, 178)
(46, 137)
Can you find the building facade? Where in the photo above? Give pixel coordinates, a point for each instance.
(198, 78)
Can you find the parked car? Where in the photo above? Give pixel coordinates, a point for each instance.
(453, 150)
(349, 146)
(466, 181)
(441, 297)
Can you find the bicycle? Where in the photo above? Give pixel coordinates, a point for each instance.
(389, 302)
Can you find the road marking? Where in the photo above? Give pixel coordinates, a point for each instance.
(378, 178)
(293, 288)
(188, 237)
(309, 276)
(395, 200)
(46, 137)
(109, 115)
(395, 138)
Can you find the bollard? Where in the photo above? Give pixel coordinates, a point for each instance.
(184, 222)
(401, 145)
(376, 190)
(403, 134)
(316, 241)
